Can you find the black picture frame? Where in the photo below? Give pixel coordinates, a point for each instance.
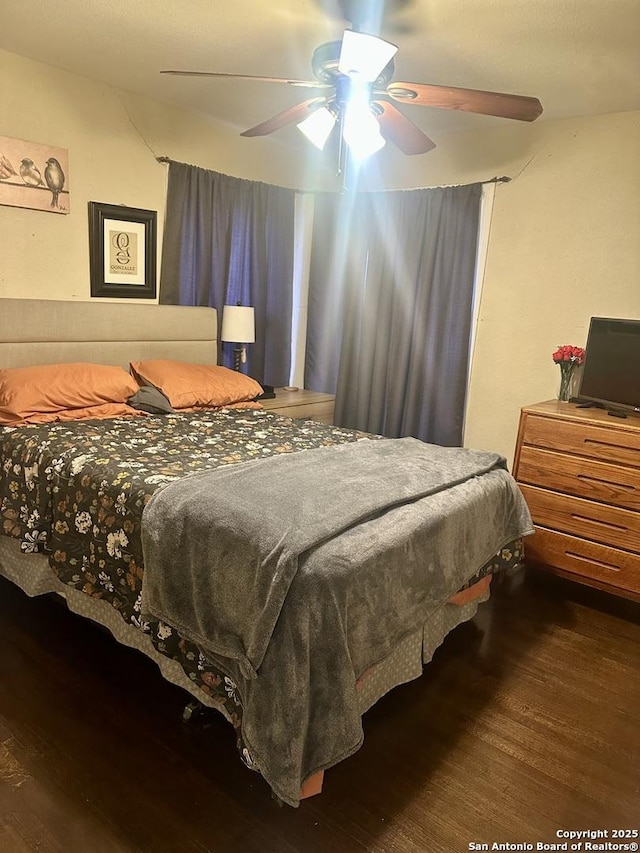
(122, 251)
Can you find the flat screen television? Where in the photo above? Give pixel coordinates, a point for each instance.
(611, 369)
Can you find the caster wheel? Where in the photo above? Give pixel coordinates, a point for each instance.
(191, 711)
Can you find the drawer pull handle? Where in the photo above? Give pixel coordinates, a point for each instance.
(609, 524)
(593, 562)
(607, 482)
(609, 444)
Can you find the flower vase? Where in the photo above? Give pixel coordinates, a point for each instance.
(566, 373)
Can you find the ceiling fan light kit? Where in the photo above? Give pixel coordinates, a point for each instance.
(355, 92)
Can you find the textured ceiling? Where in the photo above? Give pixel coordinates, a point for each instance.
(579, 57)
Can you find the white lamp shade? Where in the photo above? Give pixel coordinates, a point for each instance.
(364, 56)
(238, 324)
(317, 127)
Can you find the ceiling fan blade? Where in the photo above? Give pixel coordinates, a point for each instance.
(397, 128)
(309, 84)
(364, 56)
(499, 104)
(296, 114)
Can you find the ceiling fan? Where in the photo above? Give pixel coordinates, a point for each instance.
(355, 90)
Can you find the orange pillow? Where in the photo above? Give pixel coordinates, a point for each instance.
(193, 385)
(50, 392)
(95, 413)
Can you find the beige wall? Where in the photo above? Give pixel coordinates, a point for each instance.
(564, 246)
(46, 255)
(564, 236)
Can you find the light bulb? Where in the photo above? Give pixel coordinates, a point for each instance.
(360, 129)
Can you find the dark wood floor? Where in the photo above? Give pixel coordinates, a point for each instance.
(525, 723)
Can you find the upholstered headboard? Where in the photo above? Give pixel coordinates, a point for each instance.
(47, 331)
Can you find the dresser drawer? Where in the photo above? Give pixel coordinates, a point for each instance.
(620, 569)
(599, 522)
(597, 442)
(586, 478)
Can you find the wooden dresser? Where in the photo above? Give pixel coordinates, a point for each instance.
(302, 404)
(579, 470)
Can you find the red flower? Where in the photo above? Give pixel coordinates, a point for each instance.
(568, 353)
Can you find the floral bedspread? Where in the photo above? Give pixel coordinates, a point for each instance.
(76, 492)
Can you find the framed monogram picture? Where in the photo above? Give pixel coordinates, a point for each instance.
(122, 251)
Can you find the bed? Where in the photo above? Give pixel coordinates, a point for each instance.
(90, 509)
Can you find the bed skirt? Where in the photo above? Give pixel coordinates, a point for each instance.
(31, 572)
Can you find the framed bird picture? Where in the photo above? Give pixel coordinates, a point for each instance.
(34, 175)
(122, 251)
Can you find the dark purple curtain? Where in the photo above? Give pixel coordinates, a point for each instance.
(390, 309)
(229, 241)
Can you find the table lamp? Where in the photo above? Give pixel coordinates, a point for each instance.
(238, 327)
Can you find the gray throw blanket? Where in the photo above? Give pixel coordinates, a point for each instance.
(306, 568)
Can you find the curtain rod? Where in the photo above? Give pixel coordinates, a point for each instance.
(504, 179)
